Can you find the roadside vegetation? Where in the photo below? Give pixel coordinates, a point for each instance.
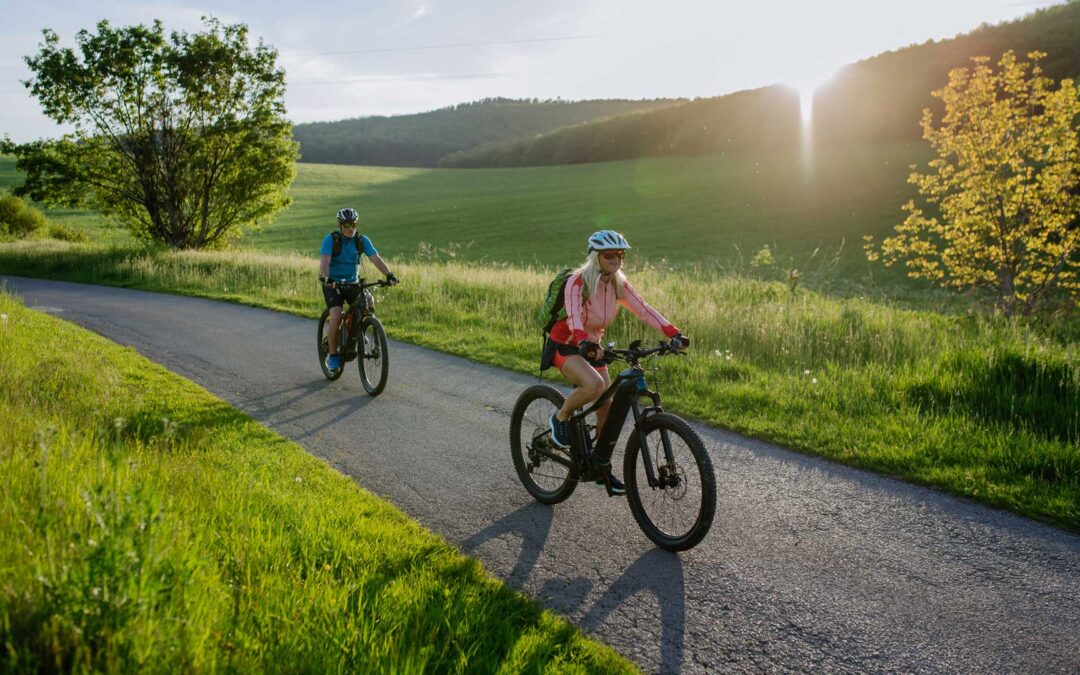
(982, 408)
(147, 525)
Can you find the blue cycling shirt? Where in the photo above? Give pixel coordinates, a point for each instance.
(343, 267)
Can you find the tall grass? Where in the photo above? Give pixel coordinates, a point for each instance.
(985, 409)
(148, 526)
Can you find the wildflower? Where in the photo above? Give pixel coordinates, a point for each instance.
(806, 372)
(716, 352)
(3, 317)
(813, 381)
(299, 479)
(728, 357)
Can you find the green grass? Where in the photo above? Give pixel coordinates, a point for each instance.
(715, 210)
(983, 409)
(146, 525)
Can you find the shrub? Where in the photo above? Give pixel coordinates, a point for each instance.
(67, 233)
(18, 219)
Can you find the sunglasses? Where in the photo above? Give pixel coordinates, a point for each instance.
(613, 255)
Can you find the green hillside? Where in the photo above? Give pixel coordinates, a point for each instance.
(880, 98)
(423, 139)
(711, 210)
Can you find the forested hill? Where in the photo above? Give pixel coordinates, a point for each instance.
(880, 98)
(423, 139)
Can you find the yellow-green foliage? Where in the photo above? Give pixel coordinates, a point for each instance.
(1003, 192)
(147, 526)
(19, 220)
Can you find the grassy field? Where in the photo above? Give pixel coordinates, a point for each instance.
(146, 525)
(982, 409)
(705, 210)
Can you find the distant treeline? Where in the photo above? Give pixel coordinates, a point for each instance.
(758, 118)
(877, 99)
(423, 139)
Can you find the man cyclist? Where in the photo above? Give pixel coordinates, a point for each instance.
(342, 268)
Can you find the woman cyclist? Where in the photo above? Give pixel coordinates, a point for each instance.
(592, 297)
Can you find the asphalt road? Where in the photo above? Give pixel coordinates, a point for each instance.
(810, 566)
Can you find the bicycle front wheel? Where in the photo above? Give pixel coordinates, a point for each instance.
(374, 356)
(324, 346)
(677, 511)
(545, 470)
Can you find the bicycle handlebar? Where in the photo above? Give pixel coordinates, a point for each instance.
(633, 354)
(361, 283)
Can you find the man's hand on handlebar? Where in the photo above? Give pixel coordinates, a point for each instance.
(679, 342)
(392, 279)
(327, 281)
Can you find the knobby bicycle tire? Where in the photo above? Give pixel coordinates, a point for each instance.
(323, 347)
(372, 367)
(695, 472)
(525, 428)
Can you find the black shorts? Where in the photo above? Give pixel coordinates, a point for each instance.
(336, 297)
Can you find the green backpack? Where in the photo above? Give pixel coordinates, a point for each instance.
(553, 309)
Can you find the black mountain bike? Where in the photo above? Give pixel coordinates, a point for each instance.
(669, 477)
(362, 338)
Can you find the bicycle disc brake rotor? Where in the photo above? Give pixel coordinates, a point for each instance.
(673, 481)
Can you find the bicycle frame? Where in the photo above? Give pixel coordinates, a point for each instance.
(357, 311)
(625, 391)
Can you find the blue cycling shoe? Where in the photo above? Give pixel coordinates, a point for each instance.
(333, 362)
(560, 432)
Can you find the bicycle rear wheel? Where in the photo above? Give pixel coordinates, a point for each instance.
(545, 470)
(678, 512)
(324, 346)
(374, 357)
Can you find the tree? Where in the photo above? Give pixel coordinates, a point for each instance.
(1002, 192)
(182, 139)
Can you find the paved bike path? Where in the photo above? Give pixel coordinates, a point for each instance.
(809, 565)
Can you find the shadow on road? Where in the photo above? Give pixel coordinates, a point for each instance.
(661, 574)
(531, 524)
(264, 406)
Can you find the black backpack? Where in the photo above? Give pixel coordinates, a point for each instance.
(336, 234)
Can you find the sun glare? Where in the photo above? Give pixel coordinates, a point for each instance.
(807, 86)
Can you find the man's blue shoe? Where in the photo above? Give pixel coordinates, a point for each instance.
(333, 362)
(560, 432)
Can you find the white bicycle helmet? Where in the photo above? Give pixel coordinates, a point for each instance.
(346, 215)
(607, 240)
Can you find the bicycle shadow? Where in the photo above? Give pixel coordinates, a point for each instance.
(531, 524)
(659, 573)
(267, 406)
(656, 572)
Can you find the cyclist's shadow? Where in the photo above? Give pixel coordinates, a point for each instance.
(532, 524)
(657, 572)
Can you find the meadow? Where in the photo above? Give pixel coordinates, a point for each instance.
(981, 408)
(716, 211)
(146, 525)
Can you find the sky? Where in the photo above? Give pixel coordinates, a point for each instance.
(381, 57)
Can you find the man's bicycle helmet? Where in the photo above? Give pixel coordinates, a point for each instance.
(346, 216)
(607, 240)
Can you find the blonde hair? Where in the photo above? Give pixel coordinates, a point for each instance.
(590, 274)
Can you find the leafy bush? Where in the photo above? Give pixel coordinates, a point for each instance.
(18, 219)
(68, 233)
